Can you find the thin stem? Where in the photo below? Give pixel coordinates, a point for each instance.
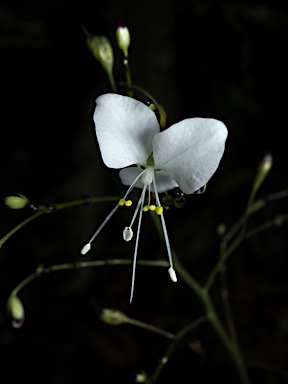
(204, 297)
(150, 327)
(41, 270)
(276, 222)
(22, 224)
(112, 81)
(53, 208)
(226, 305)
(177, 337)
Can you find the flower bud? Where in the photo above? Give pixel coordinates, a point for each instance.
(113, 317)
(16, 311)
(141, 377)
(102, 50)
(17, 201)
(263, 170)
(123, 38)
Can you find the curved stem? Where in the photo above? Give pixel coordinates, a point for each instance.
(213, 318)
(41, 270)
(41, 209)
(177, 337)
(22, 224)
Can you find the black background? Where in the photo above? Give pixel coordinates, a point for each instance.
(226, 60)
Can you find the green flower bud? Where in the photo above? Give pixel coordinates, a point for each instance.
(16, 311)
(102, 50)
(17, 201)
(113, 317)
(123, 38)
(141, 377)
(221, 229)
(263, 170)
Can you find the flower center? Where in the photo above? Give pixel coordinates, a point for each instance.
(147, 176)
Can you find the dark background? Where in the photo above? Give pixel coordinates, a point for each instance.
(226, 60)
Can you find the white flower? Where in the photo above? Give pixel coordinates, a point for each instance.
(185, 155)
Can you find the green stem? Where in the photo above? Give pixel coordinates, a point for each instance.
(211, 314)
(276, 222)
(53, 208)
(112, 81)
(177, 337)
(150, 327)
(226, 305)
(41, 270)
(19, 226)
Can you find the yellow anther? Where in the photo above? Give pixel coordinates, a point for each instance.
(152, 107)
(128, 203)
(152, 207)
(159, 210)
(146, 208)
(121, 202)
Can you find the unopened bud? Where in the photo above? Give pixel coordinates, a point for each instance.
(16, 311)
(263, 170)
(17, 201)
(141, 377)
(102, 50)
(123, 38)
(221, 229)
(113, 317)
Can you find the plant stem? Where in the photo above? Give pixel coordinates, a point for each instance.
(150, 327)
(41, 209)
(177, 337)
(211, 314)
(41, 270)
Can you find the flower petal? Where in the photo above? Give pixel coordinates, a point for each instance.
(190, 151)
(163, 181)
(124, 129)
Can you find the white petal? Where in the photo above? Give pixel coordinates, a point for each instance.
(163, 181)
(190, 151)
(124, 129)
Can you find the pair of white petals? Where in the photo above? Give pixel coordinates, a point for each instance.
(186, 155)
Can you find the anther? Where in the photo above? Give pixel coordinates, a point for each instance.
(85, 249)
(152, 207)
(146, 208)
(128, 203)
(121, 202)
(127, 233)
(159, 210)
(172, 274)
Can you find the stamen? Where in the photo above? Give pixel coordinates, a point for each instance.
(173, 278)
(159, 210)
(172, 274)
(121, 202)
(127, 234)
(137, 240)
(85, 249)
(140, 201)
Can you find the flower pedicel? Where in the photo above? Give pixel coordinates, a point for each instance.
(185, 155)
